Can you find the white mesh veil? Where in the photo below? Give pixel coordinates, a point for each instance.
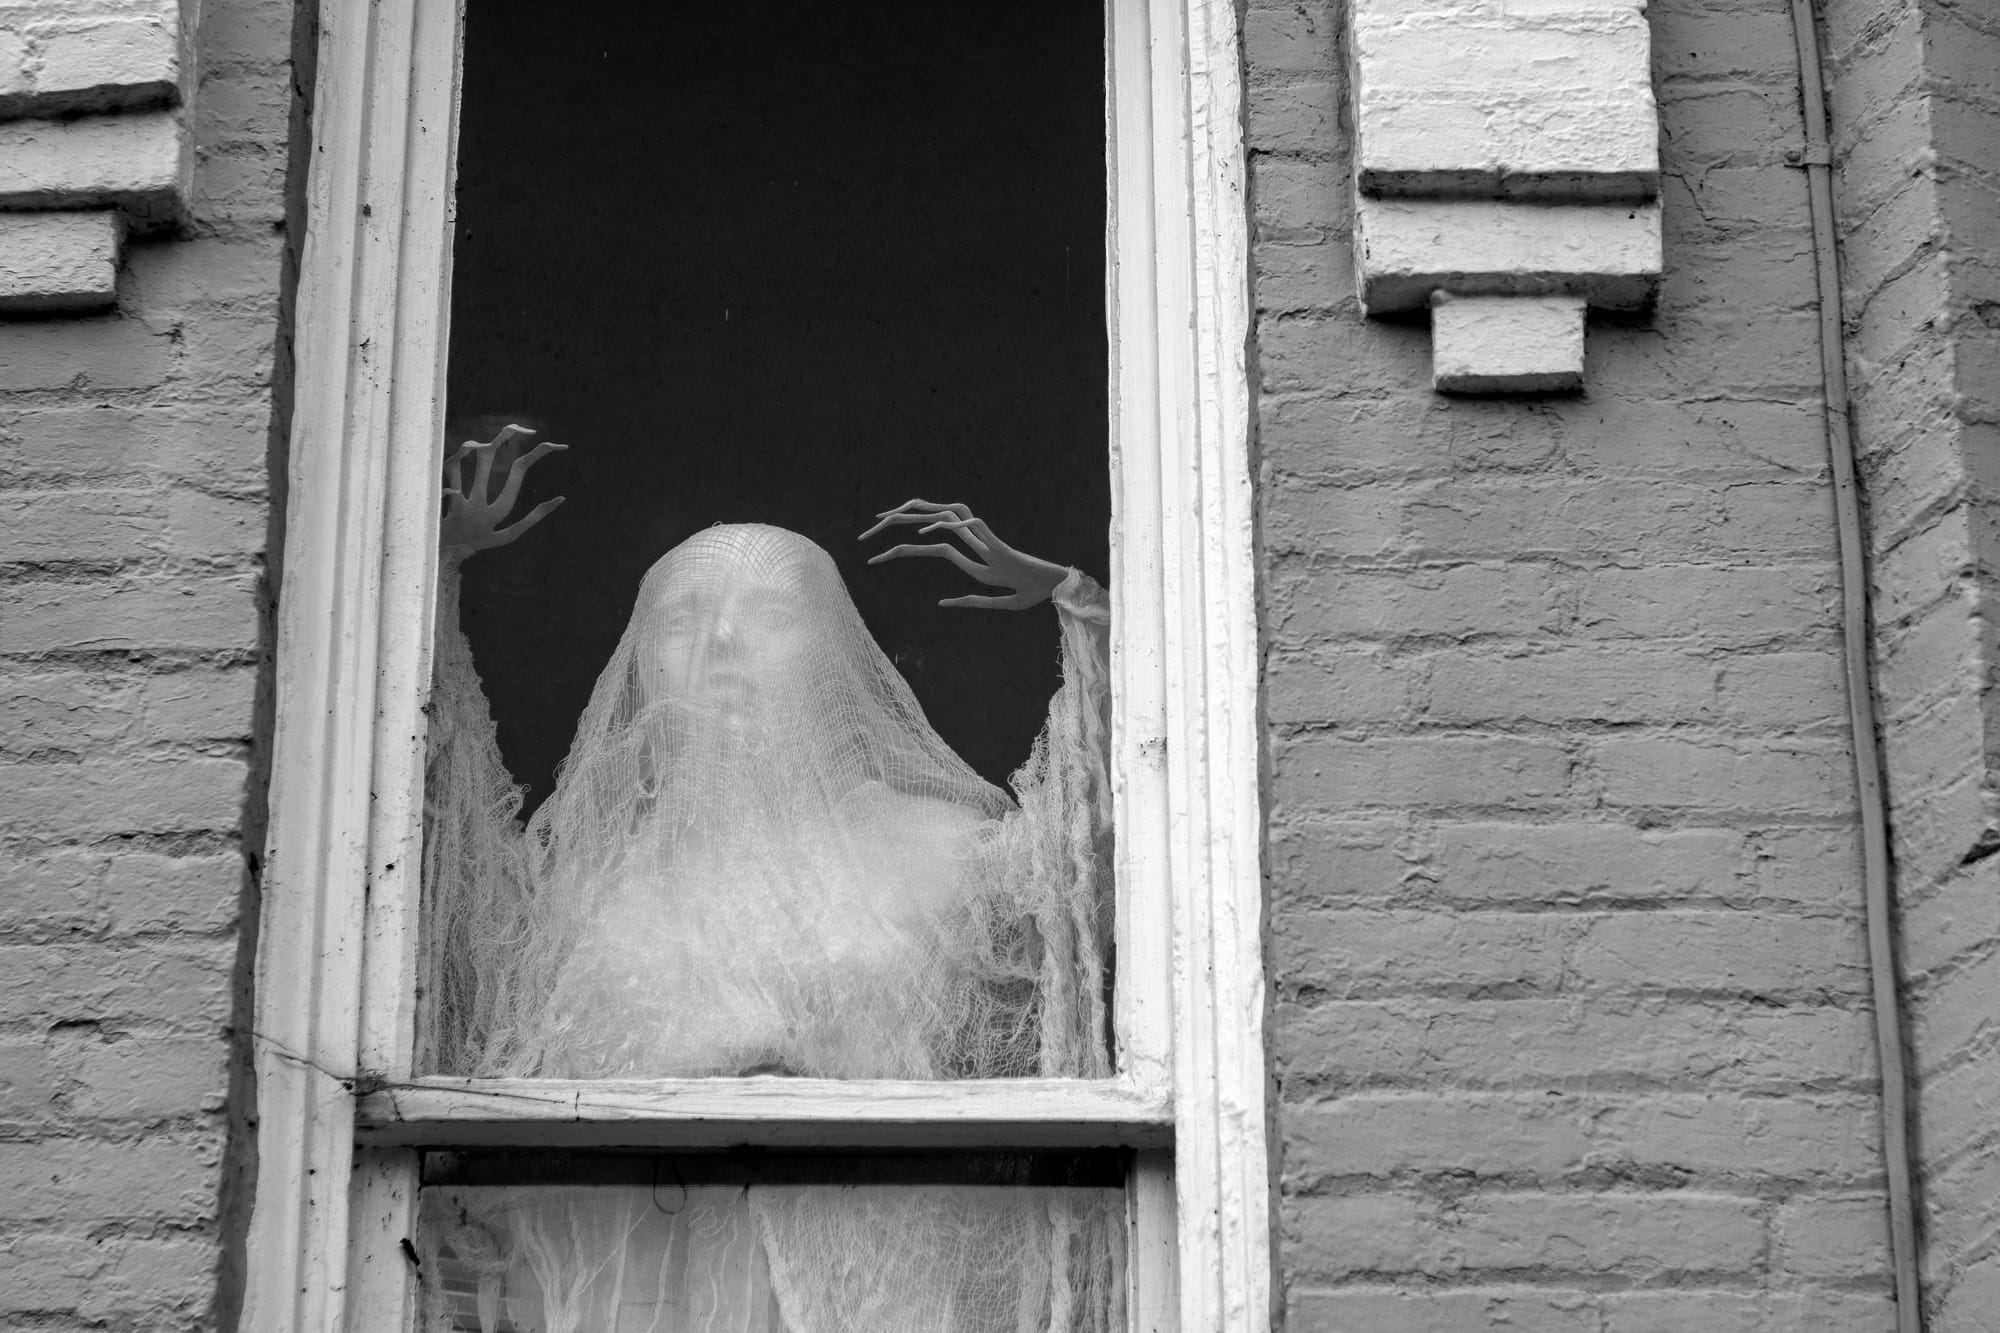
(760, 857)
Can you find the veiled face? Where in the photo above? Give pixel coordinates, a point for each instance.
(730, 620)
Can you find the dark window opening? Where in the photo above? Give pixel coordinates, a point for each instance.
(789, 263)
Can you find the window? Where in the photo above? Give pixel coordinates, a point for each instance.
(344, 1117)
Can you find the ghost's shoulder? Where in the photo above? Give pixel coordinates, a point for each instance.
(911, 816)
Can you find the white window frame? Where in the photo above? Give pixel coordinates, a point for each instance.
(341, 1119)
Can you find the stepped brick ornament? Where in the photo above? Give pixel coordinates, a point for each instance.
(1507, 176)
(93, 142)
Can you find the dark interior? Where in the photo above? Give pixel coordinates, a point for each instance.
(789, 263)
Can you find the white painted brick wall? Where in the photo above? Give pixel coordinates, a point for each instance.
(1572, 1026)
(1916, 129)
(134, 504)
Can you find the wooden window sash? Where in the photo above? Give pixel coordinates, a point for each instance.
(341, 1116)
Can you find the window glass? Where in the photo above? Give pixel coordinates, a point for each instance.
(699, 1250)
(709, 793)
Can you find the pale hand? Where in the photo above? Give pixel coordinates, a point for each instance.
(472, 513)
(1030, 580)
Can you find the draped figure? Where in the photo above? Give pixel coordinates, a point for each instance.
(760, 859)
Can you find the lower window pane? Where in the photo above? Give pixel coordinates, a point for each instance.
(672, 1257)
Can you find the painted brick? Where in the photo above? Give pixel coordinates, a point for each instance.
(1834, 1139)
(1553, 1236)
(59, 261)
(1787, 776)
(1729, 605)
(1959, 919)
(1738, 951)
(181, 985)
(1312, 1310)
(146, 893)
(28, 1085)
(116, 62)
(1563, 109)
(1604, 1041)
(1506, 344)
(217, 444)
(1381, 1135)
(1576, 863)
(1426, 772)
(1833, 1238)
(1338, 861)
(97, 354)
(1408, 249)
(1578, 684)
(174, 795)
(101, 1278)
(206, 612)
(1736, 1312)
(80, 1179)
(1360, 686)
(148, 1078)
(1360, 953)
(1452, 602)
(133, 160)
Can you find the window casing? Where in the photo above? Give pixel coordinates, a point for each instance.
(341, 1119)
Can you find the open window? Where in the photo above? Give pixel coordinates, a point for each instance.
(1123, 1192)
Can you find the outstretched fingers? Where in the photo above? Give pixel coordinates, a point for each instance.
(519, 470)
(974, 530)
(454, 468)
(941, 550)
(911, 511)
(503, 536)
(1011, 602)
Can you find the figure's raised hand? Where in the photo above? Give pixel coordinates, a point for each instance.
(472, 512)
(1028, 578)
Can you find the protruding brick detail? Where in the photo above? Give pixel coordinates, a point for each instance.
(64, 56)
(1503, 146)
(92, 117)
(134, 162)
(1522, 99)
(1506, 344)
(1412, 248)
(59, 261)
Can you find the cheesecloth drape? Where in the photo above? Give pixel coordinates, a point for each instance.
(759, 856)
(772, 1259)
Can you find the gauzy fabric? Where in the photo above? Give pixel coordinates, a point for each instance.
(759, 856)
(772, 1259)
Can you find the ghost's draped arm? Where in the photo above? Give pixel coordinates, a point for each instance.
(1049, 861)
(475, 872)
(1052, 853)
(475, 862)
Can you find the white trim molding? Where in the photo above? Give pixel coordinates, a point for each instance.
(341, 1113)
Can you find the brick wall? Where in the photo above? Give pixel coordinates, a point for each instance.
(1916, 112)
(134, 503)
(1572, 1026)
